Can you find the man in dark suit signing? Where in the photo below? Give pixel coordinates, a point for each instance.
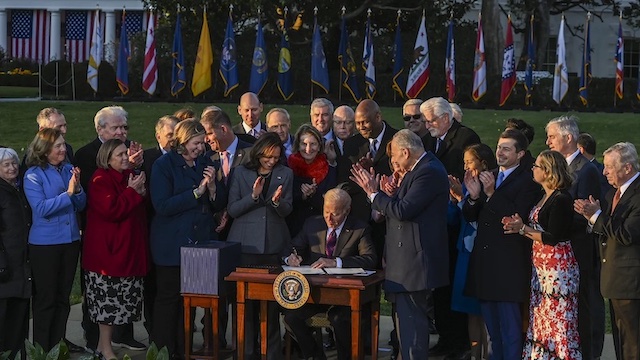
(618, 227)
(415, 209)
(333, 240)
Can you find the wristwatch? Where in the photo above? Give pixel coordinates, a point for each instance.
(521, 231)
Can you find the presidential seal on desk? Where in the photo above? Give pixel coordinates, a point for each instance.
(291, 289)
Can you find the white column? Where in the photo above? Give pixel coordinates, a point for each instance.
(110, 36)
(54, 46)
(3, 31)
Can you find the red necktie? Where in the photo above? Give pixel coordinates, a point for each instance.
(331, 243)
(616, 200)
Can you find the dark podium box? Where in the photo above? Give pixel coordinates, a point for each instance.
(203, 267)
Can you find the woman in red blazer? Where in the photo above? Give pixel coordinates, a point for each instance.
(115, 250)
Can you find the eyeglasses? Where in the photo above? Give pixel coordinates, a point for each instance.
(536, 166)
(414, 117)
(433, 121)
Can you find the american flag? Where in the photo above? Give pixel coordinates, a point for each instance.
(133, 22)
(78, 35)
(30, 35)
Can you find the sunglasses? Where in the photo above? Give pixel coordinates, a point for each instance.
(414, 117)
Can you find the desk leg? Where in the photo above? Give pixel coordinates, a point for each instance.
(356, 341)
(375, 324)
(215, 327)
(263, 329)
(187, 327)
(240, 320)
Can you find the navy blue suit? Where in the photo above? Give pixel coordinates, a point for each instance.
(416, 253)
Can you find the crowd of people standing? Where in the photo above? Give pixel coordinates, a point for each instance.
(505, 254)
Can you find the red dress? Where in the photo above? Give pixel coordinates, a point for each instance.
(553, 309)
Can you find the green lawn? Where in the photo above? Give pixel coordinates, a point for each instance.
(17, 122)
(18, 92)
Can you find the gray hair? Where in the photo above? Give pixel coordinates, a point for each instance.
(627, 152)
(439, 106)
(277, 110)
(43, 116)
(412, 102)
(100, 120)
(321, 102)
(407, 139)
(339, 196)
(166, 120)
(208, 109)
(567, 125)
(9, 153)
(457, 111)
(350, 114)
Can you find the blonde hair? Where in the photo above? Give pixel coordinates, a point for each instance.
(555, 167)
(185, 131)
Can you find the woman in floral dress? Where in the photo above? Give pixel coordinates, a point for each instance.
(553, 309)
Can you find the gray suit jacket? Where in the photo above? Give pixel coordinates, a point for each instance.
(260, 225)
(354, 246)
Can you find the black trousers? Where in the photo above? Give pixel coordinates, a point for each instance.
(168, 307)
(340, 318)
(14, 325)
(626, 314)
(53, 269)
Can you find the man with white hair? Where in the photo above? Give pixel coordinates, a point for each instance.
(618, 229)
(562, 136)
(110, 123)
(416, 217)
(457, 112)
(447, 139)
(321, 115)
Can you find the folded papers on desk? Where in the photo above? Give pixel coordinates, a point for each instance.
(308, 270)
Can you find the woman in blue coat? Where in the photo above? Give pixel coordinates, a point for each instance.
(53, 190)
(183, 192)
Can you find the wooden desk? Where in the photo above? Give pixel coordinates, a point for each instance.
(352, 291)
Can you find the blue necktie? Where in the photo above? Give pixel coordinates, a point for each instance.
(500, 179)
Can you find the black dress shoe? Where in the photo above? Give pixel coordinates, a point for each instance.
(441, 350)
(459, 355)
(73, 348)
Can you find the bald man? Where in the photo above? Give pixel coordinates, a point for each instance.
(250, 110)
(344, 125)
(367, 148)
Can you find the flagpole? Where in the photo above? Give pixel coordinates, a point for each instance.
(615, 85)
(177, 14)
(395, 95)
(315, 23)
(344, 9)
